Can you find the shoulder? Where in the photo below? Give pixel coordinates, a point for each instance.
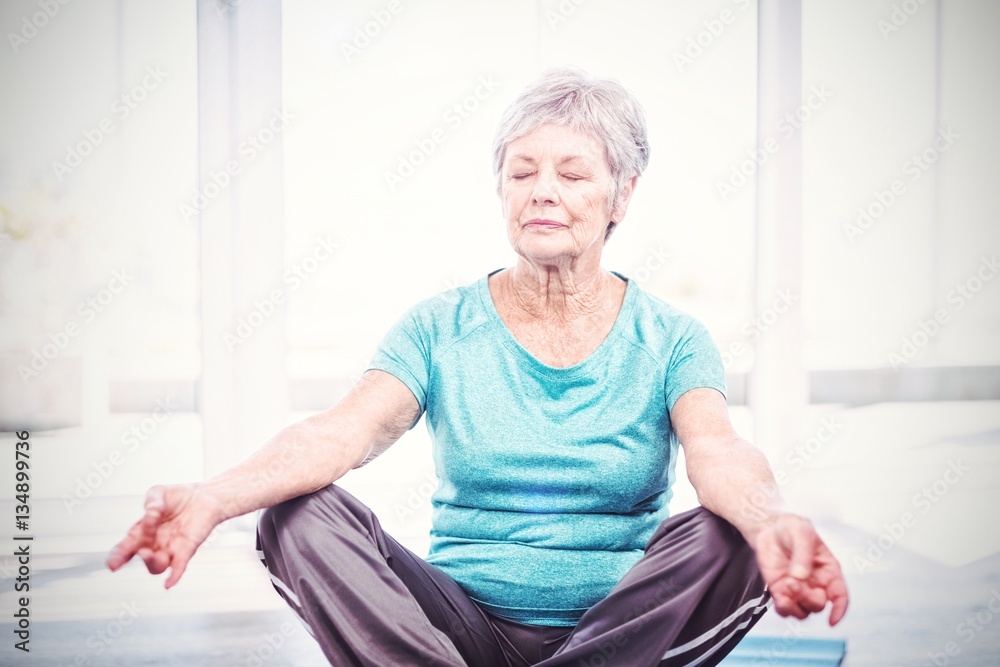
(654, 315)
(660, 327)
(449, 315)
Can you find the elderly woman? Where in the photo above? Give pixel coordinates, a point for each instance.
(556, 393)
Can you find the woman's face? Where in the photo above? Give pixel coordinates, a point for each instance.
(555, 195)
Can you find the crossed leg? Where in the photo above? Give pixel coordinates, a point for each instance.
(369, 601)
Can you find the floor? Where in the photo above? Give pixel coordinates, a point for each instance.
(922, 566)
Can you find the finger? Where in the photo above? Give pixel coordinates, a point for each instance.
(154, 510)
(118, 556)
(785, 585)
(837, 592)
(122, 552)
(156, 561)
(182, 555)
(787, 606)
(804, 542)
(785, 593)
(792, 587)
(154, 496)
(143, 532)
(828, 575)
(809, 598)
(150, 522)
(812, 599)
(771, 559)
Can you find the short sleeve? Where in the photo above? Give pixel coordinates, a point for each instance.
(405, 353)
(694, 362)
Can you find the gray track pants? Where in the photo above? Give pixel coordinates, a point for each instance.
(369, 601)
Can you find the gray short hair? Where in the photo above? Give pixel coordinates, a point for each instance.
(602, 108)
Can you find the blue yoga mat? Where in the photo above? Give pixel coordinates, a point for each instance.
(761, 650)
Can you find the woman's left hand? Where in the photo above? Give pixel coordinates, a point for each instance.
(801, 573)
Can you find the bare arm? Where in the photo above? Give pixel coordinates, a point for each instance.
(315, 452)
(733, 479)
(731, 476)
(301, 458)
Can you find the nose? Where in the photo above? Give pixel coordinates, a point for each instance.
(545, 192)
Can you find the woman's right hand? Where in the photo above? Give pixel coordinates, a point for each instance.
(179, 517)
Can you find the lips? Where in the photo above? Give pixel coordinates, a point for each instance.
(539, 223)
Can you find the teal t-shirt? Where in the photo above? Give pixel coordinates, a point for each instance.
(552, 479)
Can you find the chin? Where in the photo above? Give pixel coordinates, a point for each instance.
(541, 250)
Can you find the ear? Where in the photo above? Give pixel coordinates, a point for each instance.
(618, 213)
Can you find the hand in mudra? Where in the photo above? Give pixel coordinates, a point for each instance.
(177, 521)
(801, 573)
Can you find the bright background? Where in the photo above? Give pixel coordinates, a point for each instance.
(151, 390)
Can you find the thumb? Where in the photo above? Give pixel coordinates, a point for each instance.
(803, 551)
(154, 498)
(154, 509)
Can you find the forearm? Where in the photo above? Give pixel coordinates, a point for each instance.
(298, 460)
(734, 480)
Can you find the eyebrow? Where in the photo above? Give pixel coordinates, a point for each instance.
(564, 160)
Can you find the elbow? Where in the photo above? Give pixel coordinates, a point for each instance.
(324, 455)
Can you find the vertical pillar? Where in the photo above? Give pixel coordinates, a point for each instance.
(778, 384)
(243, 388)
